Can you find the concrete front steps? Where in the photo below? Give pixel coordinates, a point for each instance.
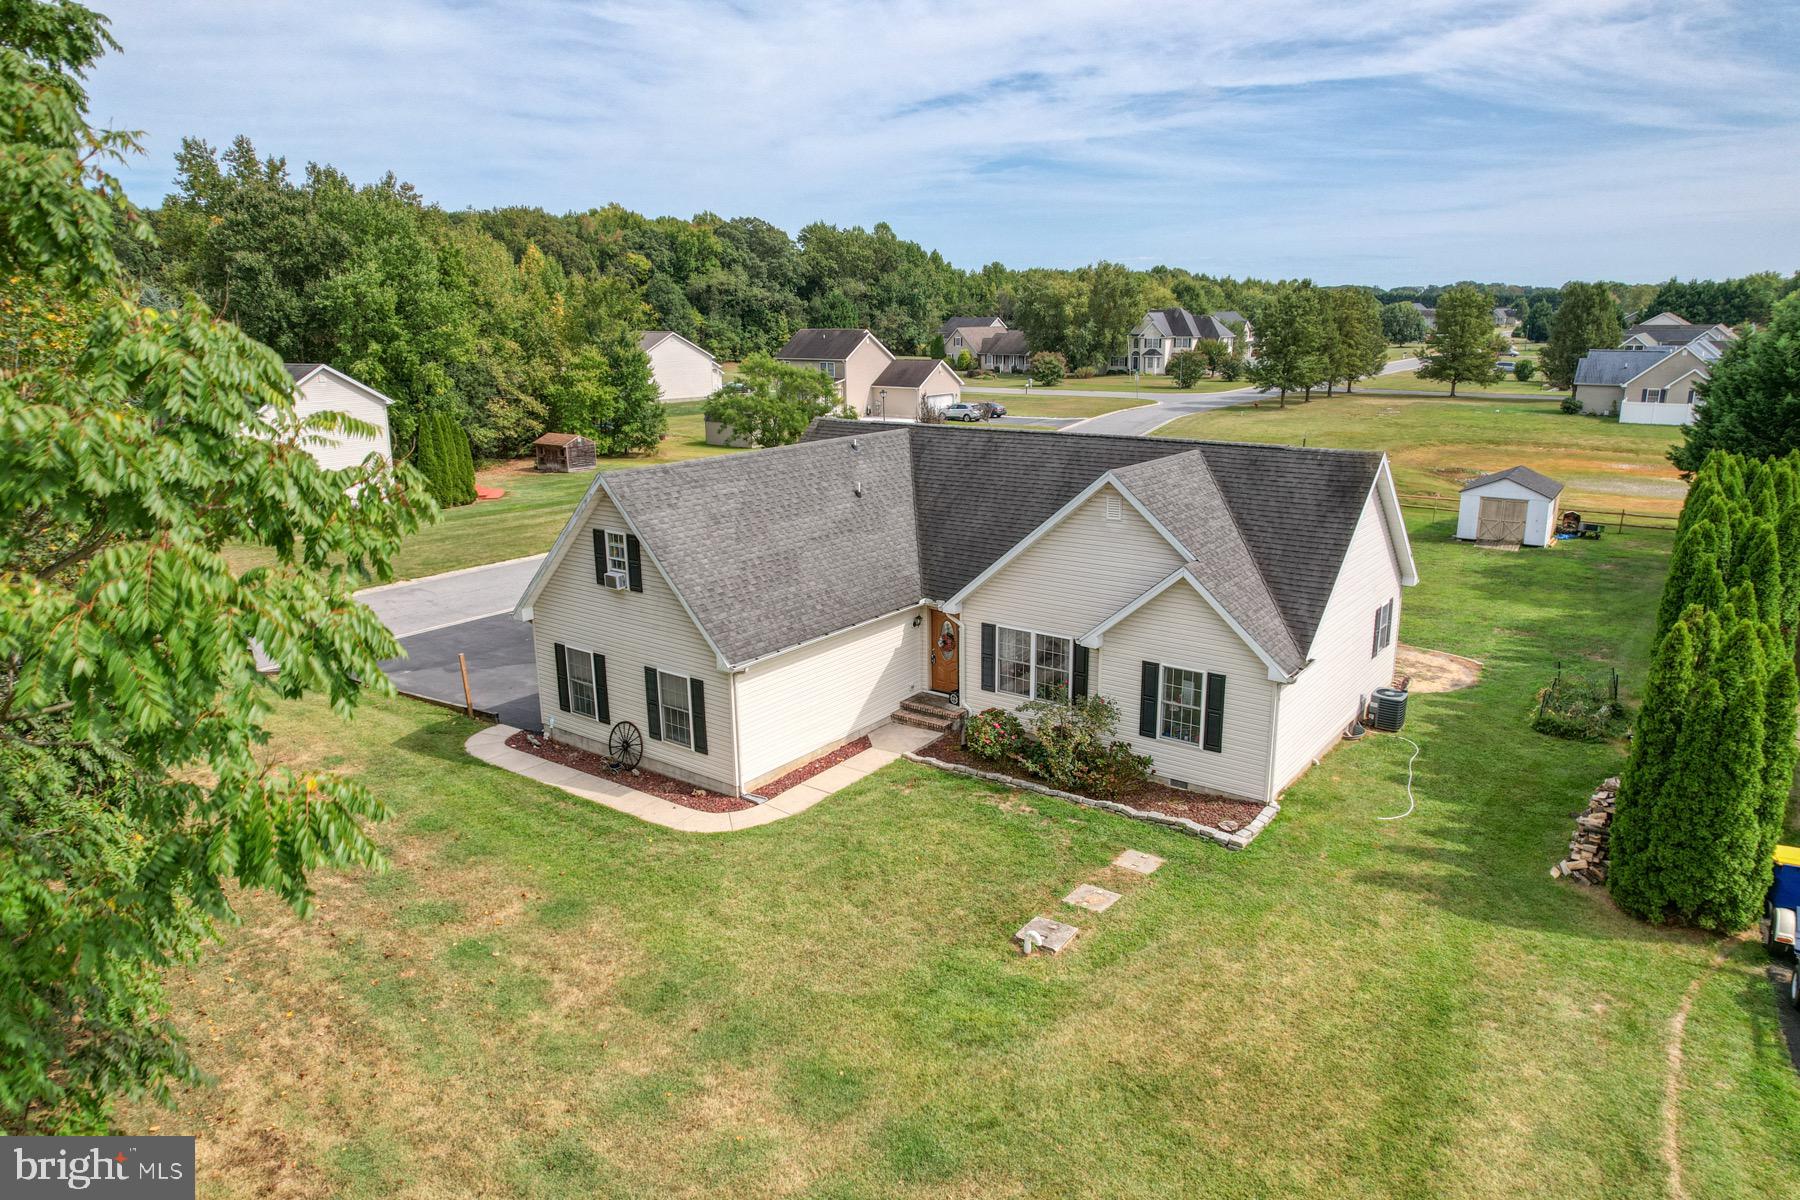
(927, 711)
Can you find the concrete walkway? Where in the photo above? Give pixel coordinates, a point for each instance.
(886, 743)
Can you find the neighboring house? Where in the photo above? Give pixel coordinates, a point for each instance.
(1231, 320)
(1238, 602)
(321, 388)
(1430, 314)
(1665, 318)
(911, 386)
(1657, 386)
(683, 370)
(1168, 331)
(1706, 341)
(968, 333)
(1505, 318)
(1513, 507)
(854, 357)
(1006, 350)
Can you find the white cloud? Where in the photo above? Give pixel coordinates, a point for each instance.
(1254, 133)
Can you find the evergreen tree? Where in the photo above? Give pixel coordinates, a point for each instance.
(1462, 347)
(1781, 700)
(638, 419)
(1586, 319)
(1752, 400)
(1756, 560)
(1634, 866)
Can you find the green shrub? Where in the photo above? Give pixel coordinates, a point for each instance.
(1084, 372)
(1188, 367)
(993, 733)
(1075, 746)
(1570, 404)
(1047, 368)
(1525, 370)
(1580, 709)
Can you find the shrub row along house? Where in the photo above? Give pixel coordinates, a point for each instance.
(752, 612)
(1654, 377)
(870, 377)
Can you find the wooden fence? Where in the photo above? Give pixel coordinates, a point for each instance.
(1611, 518)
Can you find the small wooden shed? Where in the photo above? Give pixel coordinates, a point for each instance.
(563, 452)
(1514, 507)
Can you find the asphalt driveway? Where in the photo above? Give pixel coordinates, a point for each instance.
(502, 672)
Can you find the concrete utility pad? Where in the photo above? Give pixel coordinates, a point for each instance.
(1094, 899)
(1054, 935)
(1137, 860)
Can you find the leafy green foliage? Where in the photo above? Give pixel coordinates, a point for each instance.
(994, 734)
(1525, 369)
(1291, 342)
(1355, 346)
(131, 710)
(1750, 299)
(1401, 323)
(1188, 367)
(1752, 400)
(771, 403)
(1586, 319)
(1069, 745)
(1462, 346)
(1705, 795)
(1047, 368)
(1579, 708)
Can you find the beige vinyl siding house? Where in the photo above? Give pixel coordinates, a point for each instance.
(632, 630)
(1349, 660)
(1641, 386)
(320, 388)
(683, 371)
(810, 590)
(909, 385)
(854, 357)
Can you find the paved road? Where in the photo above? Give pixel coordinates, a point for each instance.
(419, 605)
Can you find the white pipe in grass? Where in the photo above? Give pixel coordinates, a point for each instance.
(1409, 777)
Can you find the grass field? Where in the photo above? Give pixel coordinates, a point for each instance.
(528, 518)
(1148, 385)
(1409, 381)
(1436, 445)
(545, 998)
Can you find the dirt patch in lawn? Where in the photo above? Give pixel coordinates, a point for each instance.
(1218, 812)
(769, 791)
(1433, 670)
(640, 779)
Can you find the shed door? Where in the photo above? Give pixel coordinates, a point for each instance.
(1501, 520)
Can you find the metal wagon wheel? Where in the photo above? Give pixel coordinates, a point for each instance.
(624, 746)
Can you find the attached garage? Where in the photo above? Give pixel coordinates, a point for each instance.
(911, 389)
(1514, 507)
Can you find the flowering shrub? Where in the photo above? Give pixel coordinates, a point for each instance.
(1073, 746)
(993, 733)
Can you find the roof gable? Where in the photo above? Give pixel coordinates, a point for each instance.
(1525, 477)
(302, 372)
(825, 345)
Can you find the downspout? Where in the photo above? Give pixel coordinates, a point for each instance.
(737, 751)
(1274, 724)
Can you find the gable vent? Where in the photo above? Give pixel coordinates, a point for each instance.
(1115, 510)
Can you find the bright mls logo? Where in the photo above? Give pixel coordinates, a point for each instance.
(142, 1168)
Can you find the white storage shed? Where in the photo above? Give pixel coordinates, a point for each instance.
(1516, 506)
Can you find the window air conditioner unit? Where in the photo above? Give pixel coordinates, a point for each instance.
(617, 581)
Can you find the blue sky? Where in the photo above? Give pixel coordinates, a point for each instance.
(1392, 142)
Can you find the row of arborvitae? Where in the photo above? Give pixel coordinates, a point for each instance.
(1704, 795)
(444, 458)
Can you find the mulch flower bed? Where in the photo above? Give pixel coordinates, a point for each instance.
(1219, 812)
(640, 779)
(769, 791)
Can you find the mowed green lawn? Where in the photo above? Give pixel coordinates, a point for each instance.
(1147, 385)
(1409, 381)
(1436, 445)
(545, 998)
(525, 520)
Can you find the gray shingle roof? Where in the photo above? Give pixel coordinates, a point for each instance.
(648, 339)
(822, 344)
(1007, 341)
(1615, 368)
(1181, 493)
(1525, 477)
(776, 548)
(954, 323)
(906, 372)
(1174, 322)
(1229, 317)
(1211, 327)
(300, 371)
(1672, 335)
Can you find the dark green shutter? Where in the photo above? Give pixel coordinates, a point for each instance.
(1213, 737)
(600, 556)
(1079, 688)
(1152, 676)
(697, 717)
(987, 658)
(562, 678)
(634, 566)
(652, 703)
(1375, 645)
(601, 705)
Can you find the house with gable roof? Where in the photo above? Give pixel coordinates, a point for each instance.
(1165, 332)
(1657, 385)
(1238, 602)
